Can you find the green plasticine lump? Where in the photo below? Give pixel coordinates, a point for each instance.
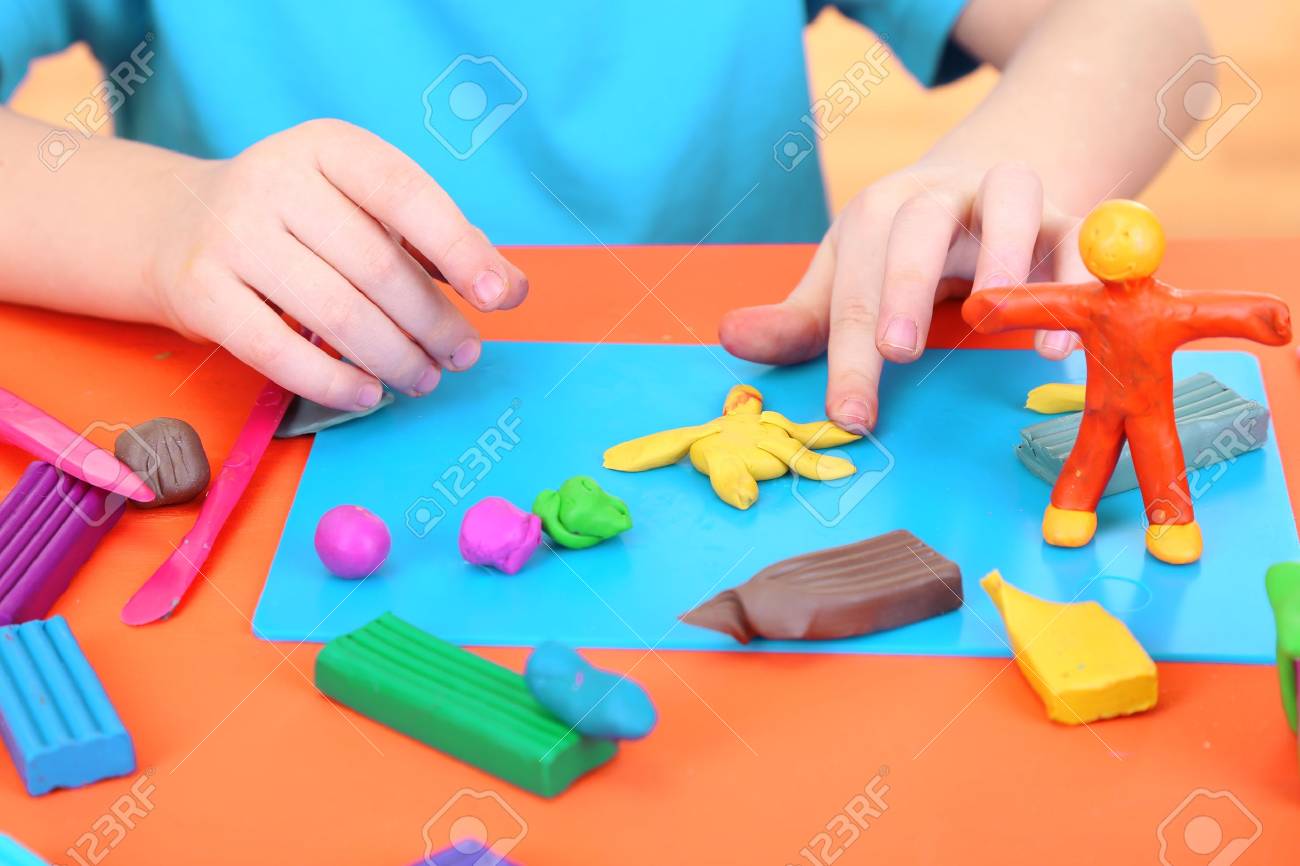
(457, 702)
(1283, 584)
(580, 514)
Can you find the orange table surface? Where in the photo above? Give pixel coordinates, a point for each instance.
(755, 755)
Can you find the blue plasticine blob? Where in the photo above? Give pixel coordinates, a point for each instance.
(55, 717)
(594, 702)
(13, 854)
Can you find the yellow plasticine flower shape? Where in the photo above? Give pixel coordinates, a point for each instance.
(744, 446)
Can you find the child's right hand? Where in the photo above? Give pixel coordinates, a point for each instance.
(346, 234)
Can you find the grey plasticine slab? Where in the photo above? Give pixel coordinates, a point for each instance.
(1215, 424)
(304, 416)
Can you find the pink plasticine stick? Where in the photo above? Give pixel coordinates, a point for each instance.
(48, 439)
(163, 592)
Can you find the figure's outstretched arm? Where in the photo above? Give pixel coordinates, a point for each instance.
(1250, 315)
(1050, 306)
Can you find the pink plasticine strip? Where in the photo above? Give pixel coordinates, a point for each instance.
(163, 592)
(48, 439)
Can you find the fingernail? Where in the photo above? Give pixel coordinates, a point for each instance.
(900, 333)
(369, 395)
(428, 381)
(1058, 342)
(853, 416)
(466, 354)
(488, 287)
(996, 281)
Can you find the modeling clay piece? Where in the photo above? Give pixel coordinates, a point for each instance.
(55, 718)
(1283, 584)
(580, 514)
(13, 854)
(1129, 324)
(351, 541)
(50, 524)
(495, 532)
(1055, 398)
(591, 701)
(456, 702)
(168, 455)
(473, 855)
(1214, 424)
(1084, 663)
(305, 417)
(163, 592)
(746, 445)
(873, 585)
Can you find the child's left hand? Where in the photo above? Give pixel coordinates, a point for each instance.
(870, 289)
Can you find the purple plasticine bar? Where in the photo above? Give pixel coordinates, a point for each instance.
(454, 857)
(50, 523)
(55, 718)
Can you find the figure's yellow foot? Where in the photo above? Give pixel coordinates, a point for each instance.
(1175, 543)
(1065, 528)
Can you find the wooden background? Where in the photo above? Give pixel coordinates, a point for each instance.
(1248, 185)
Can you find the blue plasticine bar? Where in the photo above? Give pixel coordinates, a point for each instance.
(13, 854)
(55, 718)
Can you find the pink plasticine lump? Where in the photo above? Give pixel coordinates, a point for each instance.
(352, 542)
(495, 532)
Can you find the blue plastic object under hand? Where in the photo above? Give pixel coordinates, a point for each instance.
(594, 702)
(55, 717)
(13, 854)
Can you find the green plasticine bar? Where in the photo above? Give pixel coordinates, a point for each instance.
(1283, 584)
(457, 702)
(1215, 424)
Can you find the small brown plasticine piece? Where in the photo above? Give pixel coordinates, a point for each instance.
(168, 454)
(869, 586)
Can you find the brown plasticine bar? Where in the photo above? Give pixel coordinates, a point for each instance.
(869, 586)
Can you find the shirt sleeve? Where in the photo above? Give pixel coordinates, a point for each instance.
(918, 32)
(31, 29)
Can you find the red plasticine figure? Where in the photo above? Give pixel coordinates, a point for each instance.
(1129, 324)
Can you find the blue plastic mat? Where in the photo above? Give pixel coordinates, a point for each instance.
(943, 466)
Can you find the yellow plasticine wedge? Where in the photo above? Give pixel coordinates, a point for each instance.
(1084, 663)
(1055, 398)
(746, 445)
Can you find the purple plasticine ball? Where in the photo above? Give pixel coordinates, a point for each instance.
(497, 533)
(351, 541)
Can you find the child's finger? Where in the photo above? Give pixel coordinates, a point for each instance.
(393, 188)
(318, 296)
(1009, 213)
(853, 360)
(1063, 234)
(369, 257)
(918, 245)
(252, 332)
(791, 331)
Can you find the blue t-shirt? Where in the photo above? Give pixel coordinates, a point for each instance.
(548, 123)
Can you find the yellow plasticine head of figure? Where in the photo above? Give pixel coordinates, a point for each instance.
(1121, 240)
